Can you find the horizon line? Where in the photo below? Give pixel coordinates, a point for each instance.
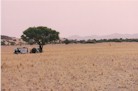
(82, 35)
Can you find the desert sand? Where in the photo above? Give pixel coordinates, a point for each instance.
(73, 67)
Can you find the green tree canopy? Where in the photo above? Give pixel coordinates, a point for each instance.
(40, 35)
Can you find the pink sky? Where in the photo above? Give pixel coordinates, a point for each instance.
(70, 17)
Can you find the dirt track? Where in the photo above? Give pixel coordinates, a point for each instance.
(75, 67)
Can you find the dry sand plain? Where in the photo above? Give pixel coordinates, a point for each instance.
(74, 67)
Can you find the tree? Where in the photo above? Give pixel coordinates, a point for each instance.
(40, 35)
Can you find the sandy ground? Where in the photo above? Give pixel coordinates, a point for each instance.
(74, 67)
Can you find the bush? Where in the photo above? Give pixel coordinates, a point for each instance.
(12, 43)
(66, 41)
(3, 43)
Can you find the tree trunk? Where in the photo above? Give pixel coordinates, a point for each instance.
(41, 48)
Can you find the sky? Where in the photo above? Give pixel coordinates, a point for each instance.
(70, 17)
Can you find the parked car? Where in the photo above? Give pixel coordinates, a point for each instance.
(21, 50)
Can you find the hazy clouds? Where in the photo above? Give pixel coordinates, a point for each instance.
(70, 17)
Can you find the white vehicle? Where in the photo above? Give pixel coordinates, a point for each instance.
(22, 50)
